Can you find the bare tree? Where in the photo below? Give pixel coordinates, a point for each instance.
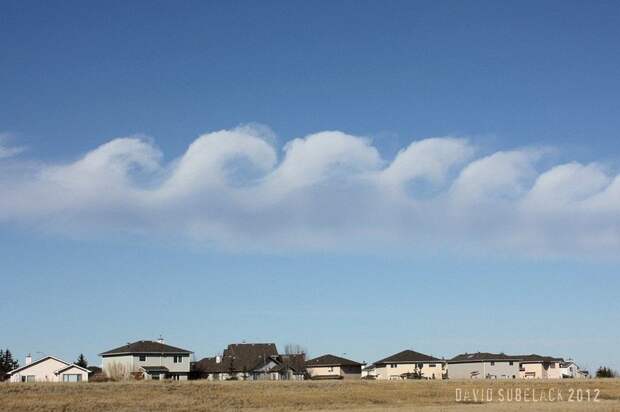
(116, 371)
(294, 349)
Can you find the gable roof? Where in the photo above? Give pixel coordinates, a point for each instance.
(240, 357)
(72, 365)
(331, 360)
(145, 346)
(295, 362)
(249, 355)
(408, 356)
(37, 362)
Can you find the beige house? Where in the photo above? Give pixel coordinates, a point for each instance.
(540, 367)
(409, 364)
(48, 369)
(333, 367)
(147, 359)
(483, 365)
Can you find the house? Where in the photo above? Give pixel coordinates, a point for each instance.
(570, 369)
(333, 367)
(409, 364)
(369, 372)
(540, 367)
(147, 359)
(48, 369)
(288, 367)
(252, 361)
(483, 365)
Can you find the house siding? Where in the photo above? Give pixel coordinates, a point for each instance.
(482, 370)
(430, 370)
(540, 370)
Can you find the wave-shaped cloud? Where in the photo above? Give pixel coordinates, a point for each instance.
(331, 190)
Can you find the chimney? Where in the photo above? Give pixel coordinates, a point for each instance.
(160, 340)
(28, 359)
(218, 359)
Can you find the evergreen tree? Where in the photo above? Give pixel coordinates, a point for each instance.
(81, 361)
(604, 372)
(7, 363)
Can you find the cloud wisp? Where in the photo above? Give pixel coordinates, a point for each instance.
(6, 150)
(329, 190)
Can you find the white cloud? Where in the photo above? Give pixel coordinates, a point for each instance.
(8, 151)
(235, 189)
(431, 159)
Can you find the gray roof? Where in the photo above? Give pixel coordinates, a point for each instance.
(145, 347)
(482, 357)
(492, 357)
(533, 358)
(155, 368)
(408, 356)
(331, 360)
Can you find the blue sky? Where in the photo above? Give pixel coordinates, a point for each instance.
(500, 235)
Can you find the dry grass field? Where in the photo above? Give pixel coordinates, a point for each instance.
(308, 396)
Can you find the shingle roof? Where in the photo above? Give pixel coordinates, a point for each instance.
(155, 368)
(408, 356)
(331, 360)
(241, 357)
(294, 361)
(145, 346)
(251, 350)
(538, 358)
(482, 356)
(211, 365)
(486, 356)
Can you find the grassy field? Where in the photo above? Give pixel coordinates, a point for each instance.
(307, 396)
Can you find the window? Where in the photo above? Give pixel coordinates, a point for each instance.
(432, 365)
(72, 378)
(492, 363)
(178, 359)
(30, 378)
(330, 369)
(393, 365)
(142, 358)
(511, 363)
